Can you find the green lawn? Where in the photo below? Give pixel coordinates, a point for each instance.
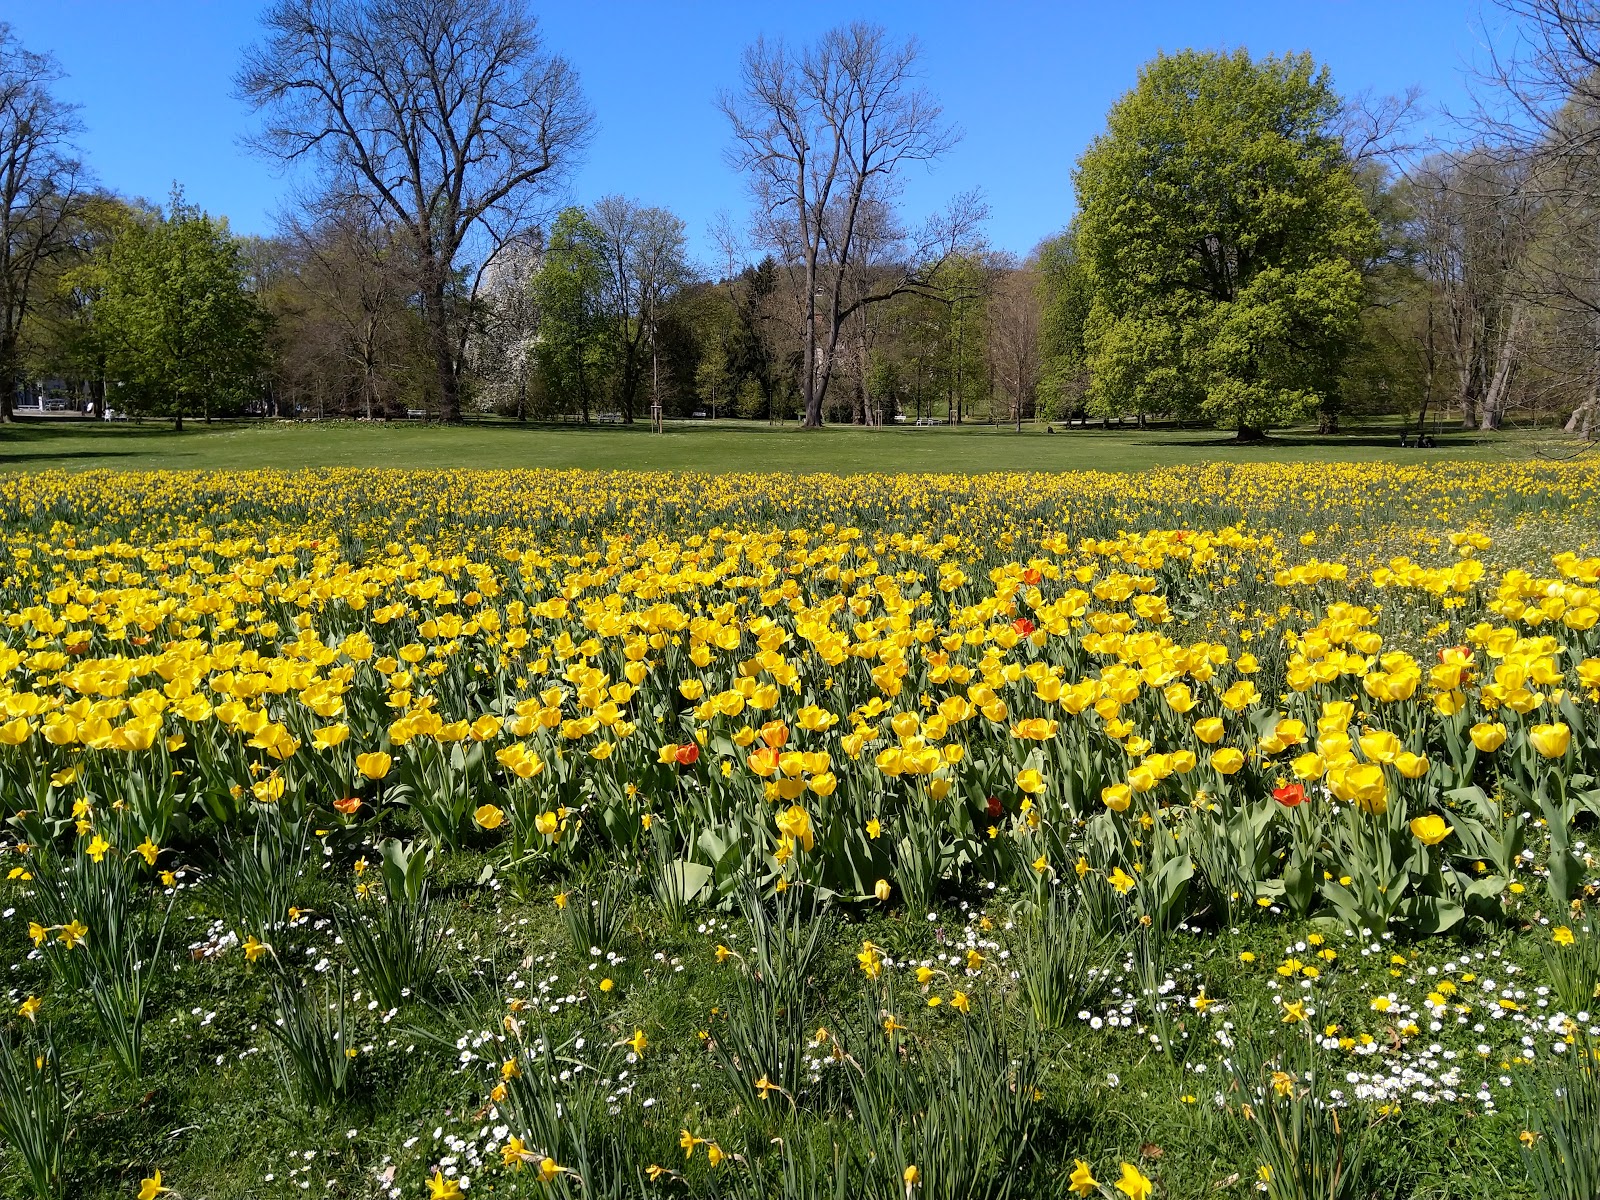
(701, 446)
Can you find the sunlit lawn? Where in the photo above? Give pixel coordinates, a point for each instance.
(699, 446)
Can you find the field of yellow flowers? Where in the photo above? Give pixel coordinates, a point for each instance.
(1213, 830)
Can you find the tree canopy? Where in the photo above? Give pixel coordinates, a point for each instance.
(181, 330)
(1222, 227)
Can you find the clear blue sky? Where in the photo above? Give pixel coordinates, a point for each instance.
(1029, 83)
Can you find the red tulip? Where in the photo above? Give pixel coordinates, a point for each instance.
(1023, 626)
(688, 754)
(994, 806)
(1291, 796)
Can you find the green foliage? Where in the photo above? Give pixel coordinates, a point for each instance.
(965, 1113)
(558, 1100)
(1064, 965)
(1306, 1149)
(256, 881)
(181, 331)
(1574, 968)
(34, 1108)
(313, 1044)
(1066, 295)
(1562, 1142)
(595, 922)
(1222, 229)
(121, 929)
(574, 331)
(394, 943)
(765, 1036)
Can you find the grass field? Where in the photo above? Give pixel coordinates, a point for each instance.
(700, 446)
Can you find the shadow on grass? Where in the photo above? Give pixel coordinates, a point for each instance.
(1329, 441)
(50, 454)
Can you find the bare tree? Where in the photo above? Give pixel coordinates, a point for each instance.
(449, 112)
(1474, 223)
(1540, 103)
(41, 184)
(1014, 320)
(819, 132)
(646, 262)
(1379, 128)
(361, 280)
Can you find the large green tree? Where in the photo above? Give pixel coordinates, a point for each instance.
(182, 331)
(1066, 293)
(574, 329)
(1222, 228)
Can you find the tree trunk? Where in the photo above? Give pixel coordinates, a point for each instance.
(1498, 391)
(808, 355)
(443, 356)
(8, 376)
(1469, 377)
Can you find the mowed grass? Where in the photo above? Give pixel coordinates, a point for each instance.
(697, 446)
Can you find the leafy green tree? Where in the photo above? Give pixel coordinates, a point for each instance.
(182, 330)
(574, 328)
(1222, 228)
(1066, 293)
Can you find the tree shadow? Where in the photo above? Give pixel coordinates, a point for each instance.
(48, 454)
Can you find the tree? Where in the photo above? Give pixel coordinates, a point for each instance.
(1014, 319)
(758, 334)
(41, 181)
(508, 343)
(449, 113)
(181, 328)
(822, 134)
(1222, 227)
(1541, 116)
(574, 331)
(348, 301)
(646, 259)
(1473, 222)
(1066, 293)
(963, 298)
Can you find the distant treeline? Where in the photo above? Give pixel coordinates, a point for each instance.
(1248, 247)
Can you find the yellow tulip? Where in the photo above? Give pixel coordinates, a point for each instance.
(1117, 797)
(1310, 765)
(1379, 745)
(1488, 737)
(1551, 741)
(1412, 766)
(374, 765)
(795, 825)
(1227, 760)
(1431, 829)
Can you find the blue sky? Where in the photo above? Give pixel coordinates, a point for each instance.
(1028, 82)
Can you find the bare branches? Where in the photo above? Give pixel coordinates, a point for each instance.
(1379, 128)
(41, 187)
(822, 136)
(449, 113)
